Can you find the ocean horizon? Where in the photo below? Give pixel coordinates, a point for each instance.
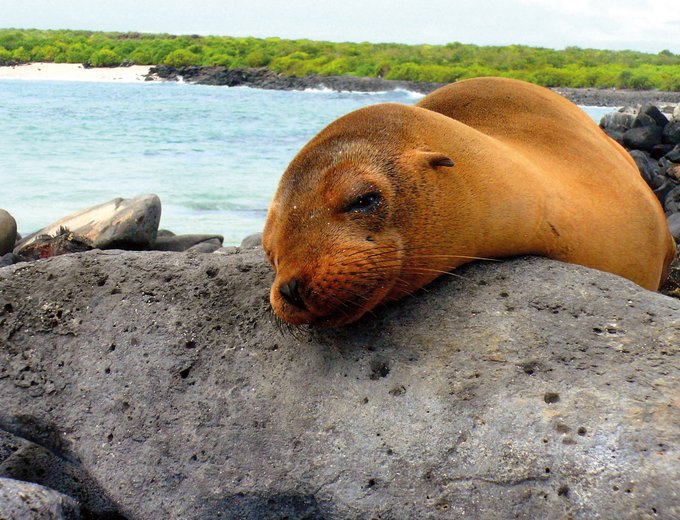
(213, 155)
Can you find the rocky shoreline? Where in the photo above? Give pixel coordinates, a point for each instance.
(267, 79)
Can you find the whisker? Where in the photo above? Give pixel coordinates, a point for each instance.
(426, 270)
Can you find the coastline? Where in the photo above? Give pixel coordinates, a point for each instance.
(266, 79)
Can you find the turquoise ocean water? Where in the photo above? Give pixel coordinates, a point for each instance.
(212, 154)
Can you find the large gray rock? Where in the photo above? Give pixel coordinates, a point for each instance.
(126, 223)
(521, 389)
(8, 232)
(26, 501)
(618, 118)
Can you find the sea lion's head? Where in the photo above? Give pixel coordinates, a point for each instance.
(349, 213)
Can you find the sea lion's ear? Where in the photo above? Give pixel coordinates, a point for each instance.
(431, 159)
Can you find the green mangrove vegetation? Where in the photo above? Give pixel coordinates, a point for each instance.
(570, 67)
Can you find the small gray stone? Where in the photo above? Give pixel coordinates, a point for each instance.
(676, 113)
(254, 240)
(8, 232)
(164, 233)
(183, 242)
(26, 501)
(8, 259)
(207, 246)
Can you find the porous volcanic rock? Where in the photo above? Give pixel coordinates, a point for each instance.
(521, 389)
(26, 501)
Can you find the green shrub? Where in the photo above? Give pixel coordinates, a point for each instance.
(105, 58)
(21, 55)
(181, 58)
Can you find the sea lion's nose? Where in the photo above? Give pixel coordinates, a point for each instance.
(290, 293)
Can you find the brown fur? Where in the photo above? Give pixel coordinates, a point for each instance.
(533, 175)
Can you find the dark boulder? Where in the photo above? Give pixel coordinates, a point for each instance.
(642, 138)
(662, 190)
(643, 120)
(674, 226)
(647, 167)
(674, 154)
(616, 132)
(652, 111)
(660, 150)
(672, 201)
(671, 133)
(523, 389)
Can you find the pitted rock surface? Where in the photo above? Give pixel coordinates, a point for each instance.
(522, 389)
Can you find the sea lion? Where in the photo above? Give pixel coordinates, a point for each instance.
(389, 197)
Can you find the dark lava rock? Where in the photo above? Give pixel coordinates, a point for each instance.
(674, 154)
(647, 167)
(672, 201)
(643, 120)
(523, 389)
(642, 138)
(671, 133)
(663, 190)
(660, 150)
(652, 111)
(268, 79)
(674, 226)
(27, 501)
(616, 132)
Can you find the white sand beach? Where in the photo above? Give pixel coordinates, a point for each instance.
(73, 72)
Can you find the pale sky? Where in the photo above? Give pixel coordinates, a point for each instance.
(651, 25)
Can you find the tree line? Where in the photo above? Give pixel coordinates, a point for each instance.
(570, 67)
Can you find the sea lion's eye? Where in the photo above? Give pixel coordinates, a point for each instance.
(364, 203)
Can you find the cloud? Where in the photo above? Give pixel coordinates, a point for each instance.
(642, 24)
